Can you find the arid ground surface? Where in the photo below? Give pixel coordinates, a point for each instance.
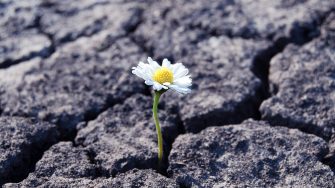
(261, 113)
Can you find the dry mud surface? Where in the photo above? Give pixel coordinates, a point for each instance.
(261, 113)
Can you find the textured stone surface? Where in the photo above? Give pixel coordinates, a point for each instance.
(64, 160)
(139, 178)
(19, 36)
(69, 63)
(57, 182)
(69, 166)
(304, 78)
(63, 164)
(67, 21)
(132, 178)
(21, 143)
(75, 83)
(11, 77)
(22, 47)
(17, 16)
(250, 154)
(225, 89)
(124, 137)
(169, 24)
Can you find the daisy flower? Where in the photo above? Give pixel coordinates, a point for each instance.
(162, 78)
(167, 76)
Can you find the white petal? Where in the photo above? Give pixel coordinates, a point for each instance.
(182, 90)
(149, 70)
(143, 73)
(149, 82)
(153, 63)
(157, 86)
(166, 63)
(140, 73)
(145, 70)
(179, 71)
(184, 81)
(176, 66)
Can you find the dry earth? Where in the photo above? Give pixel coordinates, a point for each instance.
(261, 113)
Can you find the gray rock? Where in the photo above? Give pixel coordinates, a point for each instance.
(22, 142)
(250, 154)
(133, 178)
(138, 178)
(11, 77)
(17, 16)
(77, 82)
(167, 24)
(330, 158)
(65, 160)
(57, 182)
(225, 89)
(23, 46)
(20, 39)
(224, 43)
(124, 137)
(67, 21)
(70, 7)
(304, 87)
(61, 163)
(64, 165)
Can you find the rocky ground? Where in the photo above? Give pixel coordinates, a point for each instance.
(261, 114)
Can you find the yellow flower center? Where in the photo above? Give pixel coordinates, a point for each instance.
(163, 75)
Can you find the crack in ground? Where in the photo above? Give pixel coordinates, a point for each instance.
(181, 131)
(167, 148)
(47, 52)
(30, 162)
(262, 61)
(260, 69)
(88, 116)
(328, 160)
(47, 4)
(262, 66)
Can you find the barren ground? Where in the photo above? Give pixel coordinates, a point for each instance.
(261, 113)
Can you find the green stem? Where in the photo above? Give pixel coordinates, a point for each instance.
(158, 128)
